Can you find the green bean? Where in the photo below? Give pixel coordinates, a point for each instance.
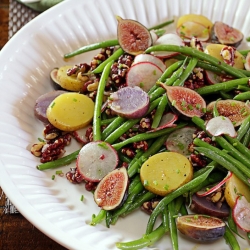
(153, 149)
(245, 125)
(90, 47)
(232, 225)
(200, 143)
(226, 86)
(161, 25)
(156, 94)
(243, 88)
(165, 219)
(113, 57)
(159, 111)
(147, 135)
(107, 121)
(147, 196)
(225, 95)
(118, 212)
(59, 162)
(238, 145)
(108, 218)
(232, 150)
(183, 209)
(98, 103)
(187, 71)
(133, 183)
(244, 52)
(169, 71)
(215, 110)
(242, 96)
(124, 158)
(214, 177)
(231, 240)
(177, 74)
(129, 124)
(178, 203)
(96, 219)
(200, 55)
(179, 191)
(145, 241)
(223, 162)
(246, 138)
(172, 225)
(116, 123)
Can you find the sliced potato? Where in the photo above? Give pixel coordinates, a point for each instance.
(215, 49)
(234, 188)
(191, 25)
(70, 111)
(164, 172)
(68, 82)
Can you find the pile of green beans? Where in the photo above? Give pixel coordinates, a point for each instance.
(230, 154)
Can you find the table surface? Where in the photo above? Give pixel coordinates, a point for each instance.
(15, 231)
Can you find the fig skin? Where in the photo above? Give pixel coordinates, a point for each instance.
(201, 205)
(201, 227)
(112, 189)
(134, 38)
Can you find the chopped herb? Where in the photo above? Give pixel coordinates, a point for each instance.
(235, 144)
(233, 103)
(74, 100)
(53, 177)
(190, 107)
(82, 197)
(183, 103)
(198, 106)
(196, 217)
(41, 140)
(145, 182)
(245, 113)
(166, 187)
(155, 183)
(58, 172)
(248, 39)
(173, 102)
(178, 171)
(103, 145)
(154, 72)
(141, 84)
(53, 104)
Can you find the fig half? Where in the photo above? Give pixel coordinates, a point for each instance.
(224, 34)
(111, 189)
(201, 227)
(236, 111)
(133, 37)
(185, 101)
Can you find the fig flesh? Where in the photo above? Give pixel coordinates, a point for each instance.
(133, 37)
(129, 102)
(185, 101)
(111, 189)
(224, 34)
(201, 227)
(236, 111)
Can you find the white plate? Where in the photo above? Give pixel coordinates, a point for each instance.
(54, 206)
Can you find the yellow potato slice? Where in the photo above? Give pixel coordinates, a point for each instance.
(164, 172)
(215, 49)
(68, 82)
(194, 25)
(70, 111)
(234, 188)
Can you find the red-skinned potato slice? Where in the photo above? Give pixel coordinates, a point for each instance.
(203, 193)
(241, 213)
(111, 189)
(129, 102)
(95, 160)
(179, 140)
(143, 75)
